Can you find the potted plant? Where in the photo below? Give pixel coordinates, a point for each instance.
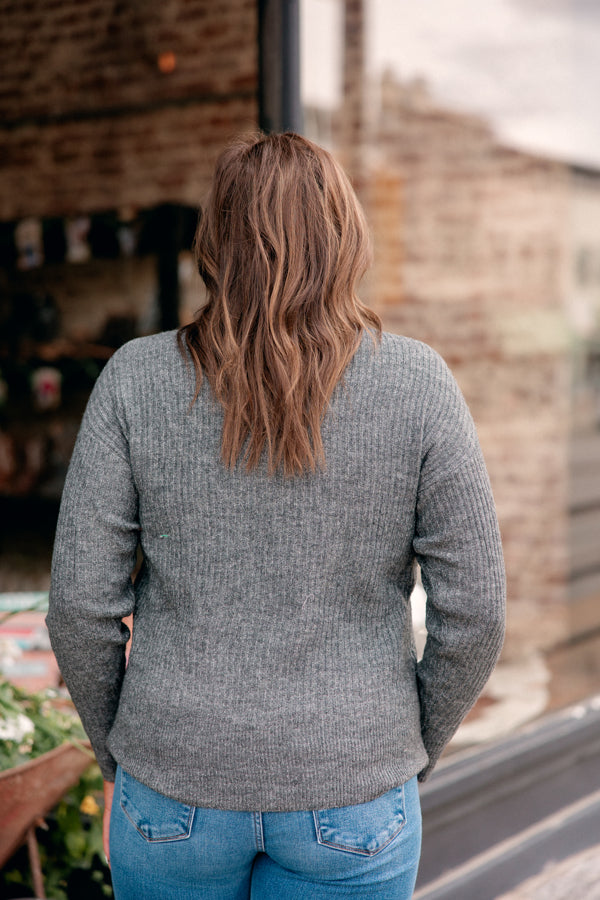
(43, 757)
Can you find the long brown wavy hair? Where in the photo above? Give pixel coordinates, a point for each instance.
(280, 246)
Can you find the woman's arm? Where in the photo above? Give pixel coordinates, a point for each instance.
(457, 543)
(94, 555)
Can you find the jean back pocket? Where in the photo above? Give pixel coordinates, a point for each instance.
(365, 828)
(156, 817)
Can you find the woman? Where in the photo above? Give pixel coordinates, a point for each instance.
(282, 465)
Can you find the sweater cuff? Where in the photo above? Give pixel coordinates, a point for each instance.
(108, 766)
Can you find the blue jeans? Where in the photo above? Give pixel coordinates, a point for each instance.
(161, 849)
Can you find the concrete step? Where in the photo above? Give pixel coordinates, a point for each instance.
(494, 817)
(508, 863)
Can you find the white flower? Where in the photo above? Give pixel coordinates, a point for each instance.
(9, 654)
(15, 729)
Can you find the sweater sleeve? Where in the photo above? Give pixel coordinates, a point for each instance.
(94, 555)
(457, 544)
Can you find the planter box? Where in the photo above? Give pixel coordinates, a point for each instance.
(29, 791)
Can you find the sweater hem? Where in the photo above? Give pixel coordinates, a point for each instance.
(291, 798)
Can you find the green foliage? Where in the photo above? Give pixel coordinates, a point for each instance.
(32, 724)
(71, 851)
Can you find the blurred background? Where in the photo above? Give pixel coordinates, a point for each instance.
(471, 134)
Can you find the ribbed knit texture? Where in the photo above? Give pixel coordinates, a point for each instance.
(273, 664)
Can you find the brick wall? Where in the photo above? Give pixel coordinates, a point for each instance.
(583, 302)
(107, 104)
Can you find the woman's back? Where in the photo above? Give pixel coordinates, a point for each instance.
(273, 612)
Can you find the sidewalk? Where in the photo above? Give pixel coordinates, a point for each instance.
(576, 878)
(516, 694)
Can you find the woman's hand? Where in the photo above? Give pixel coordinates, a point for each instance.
(109, 789)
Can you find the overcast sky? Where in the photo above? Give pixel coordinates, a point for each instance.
(531, 67)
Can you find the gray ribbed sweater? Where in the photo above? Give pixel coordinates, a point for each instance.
(273, 665)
